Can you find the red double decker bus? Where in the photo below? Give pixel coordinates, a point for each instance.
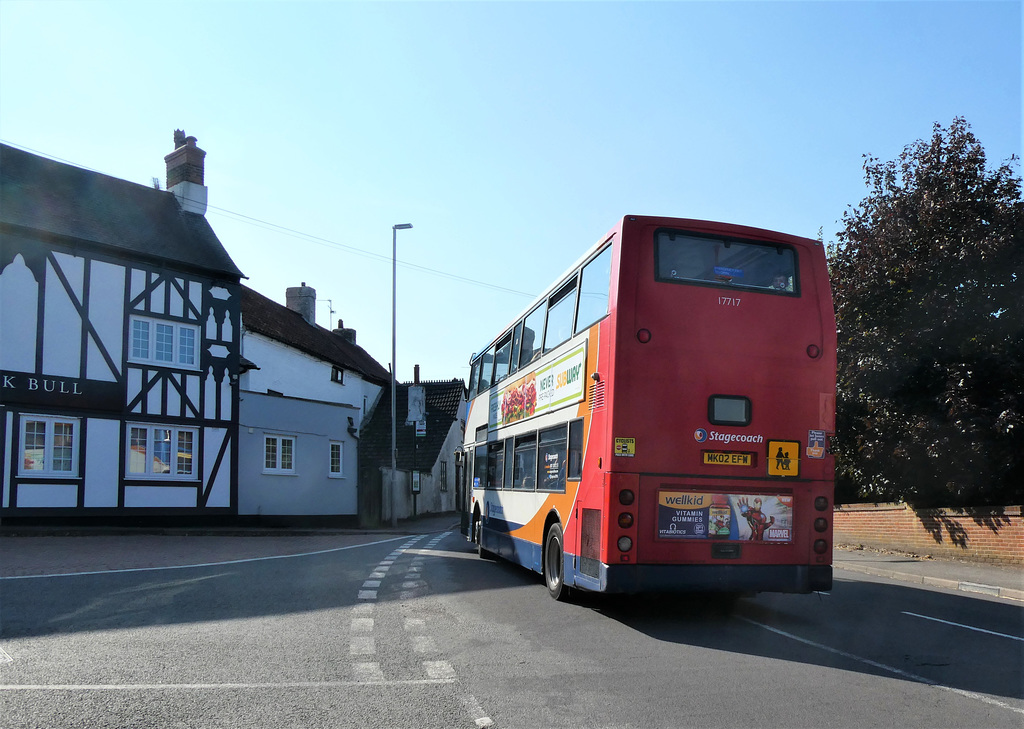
(658, 419)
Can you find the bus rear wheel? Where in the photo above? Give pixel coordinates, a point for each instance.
(554, 563)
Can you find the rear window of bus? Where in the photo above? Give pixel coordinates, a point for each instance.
(725, 262)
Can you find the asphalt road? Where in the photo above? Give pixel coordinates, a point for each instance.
(416, 631)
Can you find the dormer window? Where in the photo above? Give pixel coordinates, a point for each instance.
(338, 375)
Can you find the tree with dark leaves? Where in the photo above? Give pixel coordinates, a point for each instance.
(927, 279)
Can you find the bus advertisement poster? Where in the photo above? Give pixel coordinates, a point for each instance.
(550, 387)
(736, 517)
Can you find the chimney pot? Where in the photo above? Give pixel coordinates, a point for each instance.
(302, 299)
(349, 335)
(186, 172)
(416, 375)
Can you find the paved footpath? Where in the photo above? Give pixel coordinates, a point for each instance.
(977, 577)
(25, 552)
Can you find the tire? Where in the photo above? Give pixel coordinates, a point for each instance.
(554, 563)
(478, 538)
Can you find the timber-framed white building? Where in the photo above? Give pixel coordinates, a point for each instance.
(119, 345)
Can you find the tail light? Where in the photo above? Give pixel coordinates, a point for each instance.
(820, 546)
(625, 544)
(820, 524)
(626, 497)
(625, 520)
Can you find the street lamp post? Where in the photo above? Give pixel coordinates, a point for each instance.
(394, 368)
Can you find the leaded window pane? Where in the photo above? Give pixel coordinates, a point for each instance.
(164, 343)
(186, 346)
(137, 457)
(35, 445)
(140, 339)
(184, 464)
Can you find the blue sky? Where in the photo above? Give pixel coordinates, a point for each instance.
(511, 135)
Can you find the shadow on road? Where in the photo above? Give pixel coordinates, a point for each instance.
(870, 612)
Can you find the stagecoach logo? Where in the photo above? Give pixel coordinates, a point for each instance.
(700, 435)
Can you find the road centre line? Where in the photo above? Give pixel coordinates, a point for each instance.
(884, 667)
(205, 564)
(969, 627)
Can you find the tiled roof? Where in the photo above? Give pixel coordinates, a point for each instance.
(276, 321)
(90, 207)
(443, 400)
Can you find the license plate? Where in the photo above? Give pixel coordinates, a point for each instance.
(725, 458)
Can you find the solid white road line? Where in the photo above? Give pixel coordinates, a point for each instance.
(968, 627)
(12, 688)
(891, 669)
(203, 564)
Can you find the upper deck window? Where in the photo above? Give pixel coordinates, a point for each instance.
(502, 358)
(532, 331)
(596, 282)
(687, 258)
(561, 307)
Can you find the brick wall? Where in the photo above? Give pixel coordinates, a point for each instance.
(993, 535)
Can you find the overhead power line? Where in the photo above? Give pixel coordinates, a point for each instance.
(267, 225)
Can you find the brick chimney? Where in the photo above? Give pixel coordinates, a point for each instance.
(185, 174)
(349, 335)
(302, 299)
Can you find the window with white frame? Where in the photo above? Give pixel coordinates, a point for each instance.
(162, 451)
(49, 446)
(279, 454)
(337, 465)
(167, 343)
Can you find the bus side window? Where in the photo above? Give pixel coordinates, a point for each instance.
(510, 461)
(502, 358)
(495, 465)
(474, 379)
(533, 328)
(561, 309)
(480, 467)
(517, 338)
(574, 471)
(551, 459)
(594, 287)
(525, 472)
(486, 367)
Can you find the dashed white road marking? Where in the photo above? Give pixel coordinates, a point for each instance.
(476, 711)
(439, 669)
(362, 645)
(423, 644)
(368, 672)
(438, 672)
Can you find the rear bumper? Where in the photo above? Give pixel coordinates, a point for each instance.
(715, 578)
